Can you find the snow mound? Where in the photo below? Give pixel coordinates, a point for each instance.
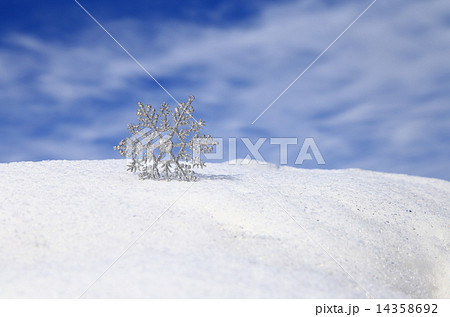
(240, 231)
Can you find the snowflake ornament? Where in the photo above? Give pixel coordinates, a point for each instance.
(166, 144)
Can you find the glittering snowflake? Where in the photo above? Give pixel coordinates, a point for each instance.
(166, 144)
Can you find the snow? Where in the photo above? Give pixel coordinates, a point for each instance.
(241, 231)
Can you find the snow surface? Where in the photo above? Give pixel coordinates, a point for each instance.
(237, 232)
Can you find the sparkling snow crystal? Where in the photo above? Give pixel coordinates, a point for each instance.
(166, 144)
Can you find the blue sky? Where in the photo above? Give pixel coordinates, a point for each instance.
(379, 99)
